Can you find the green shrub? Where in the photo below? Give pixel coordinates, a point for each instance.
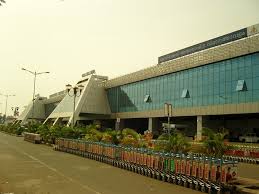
(214, 144)
(129, 141)
(94, 135)
(127, 131)
(44, 132)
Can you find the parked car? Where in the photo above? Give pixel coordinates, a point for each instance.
(250, 137)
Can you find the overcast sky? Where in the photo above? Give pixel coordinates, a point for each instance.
(114, 37)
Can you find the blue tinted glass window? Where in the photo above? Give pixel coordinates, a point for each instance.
(256, 70)
(205, 84)
(256, 83)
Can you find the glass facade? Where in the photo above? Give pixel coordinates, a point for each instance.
(211, 84)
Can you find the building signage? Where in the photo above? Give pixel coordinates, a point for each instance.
(205, 45)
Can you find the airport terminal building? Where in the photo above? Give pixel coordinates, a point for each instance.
(212, 84)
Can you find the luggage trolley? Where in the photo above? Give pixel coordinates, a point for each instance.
(152, 163)
(142, 161)
(215, 176)
(160, 174)
(58, 144)
(194, 173)
(118, 153)
(189, 179)
(172, 168)
(183, 170)
(85, 154)
(145, 160)
(206, 176)
(99, 151)
(62, 145)
(177, 179)
(163, 165)
(136, 160)
(77, 147)
(127, 158)
(123, 158)
(70, 146)
(149, 168)
(167, 169)
(144, 167)
(155, 172)
(201, 181)
(228, 173)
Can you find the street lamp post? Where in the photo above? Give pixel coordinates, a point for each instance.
(168, 113)
(6, 102)
(76, 92)
(34, 84)
(224, 98)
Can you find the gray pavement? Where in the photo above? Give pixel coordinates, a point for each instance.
(37, 169)
(250, 171)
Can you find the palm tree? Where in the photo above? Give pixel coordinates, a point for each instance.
(174, 143)
(1, 2)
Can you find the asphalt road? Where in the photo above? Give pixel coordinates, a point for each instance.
(37, 169)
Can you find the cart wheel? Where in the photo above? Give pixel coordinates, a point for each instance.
(163, 178)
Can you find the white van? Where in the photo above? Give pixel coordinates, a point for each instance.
(250, 137)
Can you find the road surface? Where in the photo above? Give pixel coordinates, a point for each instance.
(37, 169)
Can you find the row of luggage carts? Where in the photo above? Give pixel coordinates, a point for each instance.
(243, 155)
(210, 175)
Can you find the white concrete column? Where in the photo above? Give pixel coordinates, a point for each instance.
(199, 128)
(153, 125)
(150, 124)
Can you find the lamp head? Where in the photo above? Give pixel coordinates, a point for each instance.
(81, 87)
(68, 87)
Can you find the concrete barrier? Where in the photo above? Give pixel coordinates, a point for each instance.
(32, 137)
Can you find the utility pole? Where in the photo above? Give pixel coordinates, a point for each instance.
(6, 103)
